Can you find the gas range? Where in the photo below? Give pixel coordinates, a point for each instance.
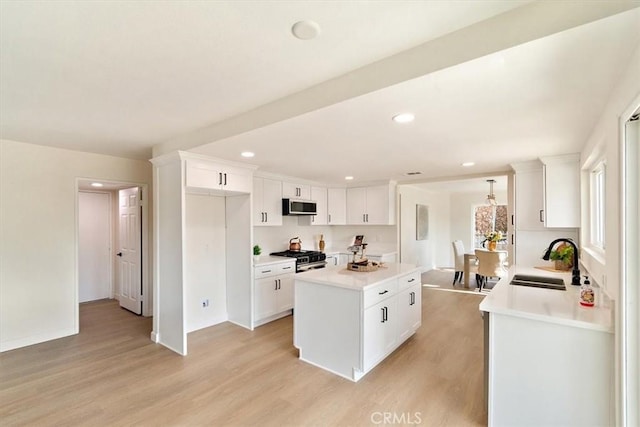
(305, 260)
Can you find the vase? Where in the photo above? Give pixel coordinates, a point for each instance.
(492, 245)
(321, 243)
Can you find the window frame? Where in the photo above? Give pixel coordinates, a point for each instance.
(597, 205)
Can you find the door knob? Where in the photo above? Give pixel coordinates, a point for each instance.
(119, 254)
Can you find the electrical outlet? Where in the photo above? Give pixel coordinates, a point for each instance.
(205, 303)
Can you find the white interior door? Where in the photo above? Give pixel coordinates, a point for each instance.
(129, 254)
(94, 251)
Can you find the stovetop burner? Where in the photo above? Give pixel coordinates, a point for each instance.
(305, 260)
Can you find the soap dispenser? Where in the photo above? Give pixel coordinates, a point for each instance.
(587, 296)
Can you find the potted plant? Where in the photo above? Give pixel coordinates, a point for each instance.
(257, 250)
(563, 257)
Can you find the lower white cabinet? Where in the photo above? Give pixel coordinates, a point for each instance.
(380, 334)
(273, 291)
(409, 311)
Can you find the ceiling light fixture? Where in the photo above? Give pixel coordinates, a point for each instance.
(348, 178)
(305, 30)
(491, 198)
(403, 118)
(468, 164)
(97, 184)
(247, 154)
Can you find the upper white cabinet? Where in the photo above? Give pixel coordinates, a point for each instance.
(202, 176)
(529, 209)
(319, 195)
(547, 193)
(337, 206)
(371, 205)
(296, 191)
(267, 202)
(562, 191)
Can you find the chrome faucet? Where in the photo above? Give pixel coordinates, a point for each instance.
(575, 273)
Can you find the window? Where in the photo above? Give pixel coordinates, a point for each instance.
(598, 176)
(487, 219)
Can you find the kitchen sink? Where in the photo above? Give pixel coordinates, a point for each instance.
(538, 282)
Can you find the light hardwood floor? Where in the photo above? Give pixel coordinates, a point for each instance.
(111, 374)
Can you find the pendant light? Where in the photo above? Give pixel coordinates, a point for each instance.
(491, 198)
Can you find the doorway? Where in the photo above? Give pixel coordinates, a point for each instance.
(102, 234)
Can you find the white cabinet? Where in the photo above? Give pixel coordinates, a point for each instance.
(379, 330)
(409, 311)
(333, 260)
(202, 176)
(529, 210)
(267, 202)
(319, 195)
(296, 191)
(562, 191)
(548, 193)
(349, 330)
(371, 205)
(337, 206)
(273, 291)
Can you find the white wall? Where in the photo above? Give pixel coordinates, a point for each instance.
(605, 140)
(38, 251)
(95, 252)
(435, 250)
(205, 261)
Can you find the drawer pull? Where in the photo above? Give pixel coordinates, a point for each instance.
(266, 271)
(411, 280)
(382, 293)
(286, 268)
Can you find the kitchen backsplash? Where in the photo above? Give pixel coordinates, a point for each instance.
(273, 239)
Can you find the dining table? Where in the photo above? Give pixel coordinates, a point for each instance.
(468, 257)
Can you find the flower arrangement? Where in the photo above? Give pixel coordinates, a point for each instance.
(493, 236)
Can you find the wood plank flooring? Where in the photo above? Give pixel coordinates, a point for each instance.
(112, 374)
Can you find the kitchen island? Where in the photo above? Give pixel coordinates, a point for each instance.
(347, 322)
(548, 360)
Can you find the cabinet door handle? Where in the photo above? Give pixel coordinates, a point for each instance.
(386, 313)
(512, 223)
(367, 217)
(412, 298)
(225, 179)
(364, 218)
(541, 215)
(329, 218)
(512, 240)
(382, 293)
(266, 217)
(219, 178)
(262, 216)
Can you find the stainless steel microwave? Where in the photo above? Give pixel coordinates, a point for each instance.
(298, 207)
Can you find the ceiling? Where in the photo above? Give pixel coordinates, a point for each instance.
(219, 78)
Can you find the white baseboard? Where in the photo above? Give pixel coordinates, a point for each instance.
(36, 339)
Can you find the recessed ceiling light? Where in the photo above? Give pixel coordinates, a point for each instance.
(247, 154)
(305, 30)
(467, 164)
(97, 184)
(403, 118)
(348, 178)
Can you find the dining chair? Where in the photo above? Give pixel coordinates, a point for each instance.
(490, 264)
(458, 254)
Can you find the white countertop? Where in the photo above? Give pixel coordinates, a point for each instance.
(548, 305)
(270, 260)
(340, 277)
